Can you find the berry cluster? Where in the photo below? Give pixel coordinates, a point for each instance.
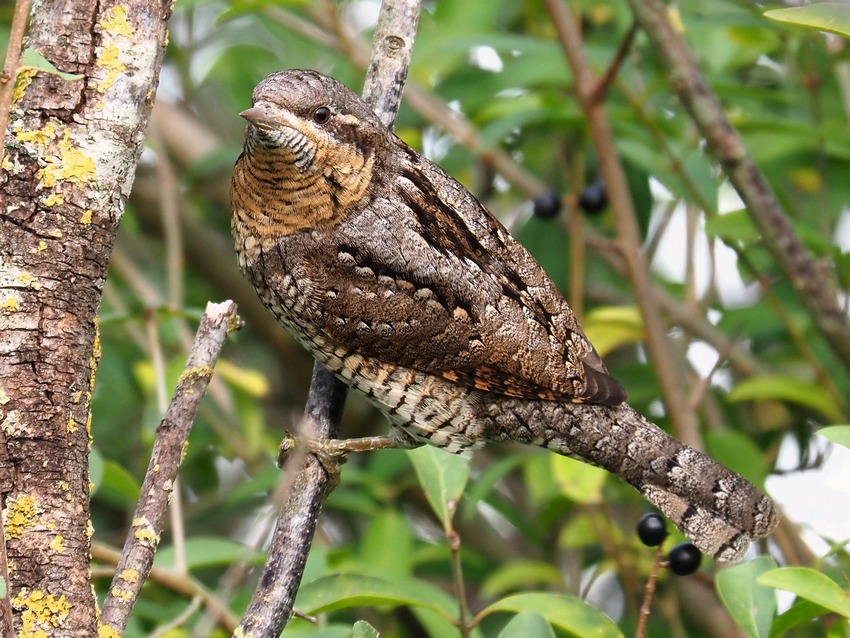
(592, 200)
(683, 559)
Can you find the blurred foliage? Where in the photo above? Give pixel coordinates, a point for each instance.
(536, 533)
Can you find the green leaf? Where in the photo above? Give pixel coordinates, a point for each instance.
(809, 584)
(118, 486)
(839, 434)
(32, 59)
(518, 575)
(801, 611)
(833, 17)
(388, 529)
(578, 532)
(443, 477)
(579, 482)
(571, 614)
(525, 624)
(362, 629)
(609, 327)
(357, 590)
(750, 604)
(733, 227)
(785, 388)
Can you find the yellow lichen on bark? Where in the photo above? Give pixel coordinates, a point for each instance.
(105, 631)
(69, 165)
(110, 61)
(23, 80)
(130, 575)
(115, 25)
(54, 199)
(115, 22)
(39, 612)
(41, 137)
(9, 304)
(197, 372)
(58, 544)
(144, 532)
(21, 513)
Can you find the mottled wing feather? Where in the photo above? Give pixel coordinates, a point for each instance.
(472, 306)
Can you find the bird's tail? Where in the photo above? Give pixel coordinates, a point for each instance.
(717, 509)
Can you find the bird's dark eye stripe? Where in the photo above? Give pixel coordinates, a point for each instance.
(321, 115)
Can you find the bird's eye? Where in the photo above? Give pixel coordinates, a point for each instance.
(321, 115)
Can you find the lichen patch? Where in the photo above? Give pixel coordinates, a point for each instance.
(39, 612)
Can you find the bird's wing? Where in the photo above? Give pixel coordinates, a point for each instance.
(413, 282)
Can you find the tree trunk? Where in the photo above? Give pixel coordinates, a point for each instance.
(71, 153)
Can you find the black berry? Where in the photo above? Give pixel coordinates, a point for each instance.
(593, 199)
(652, 530)
(684, 559)
(547, 205)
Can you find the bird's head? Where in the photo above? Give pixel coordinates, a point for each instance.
(311, 122)
(310, 152)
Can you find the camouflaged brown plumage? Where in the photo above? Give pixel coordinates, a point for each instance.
(397, 279)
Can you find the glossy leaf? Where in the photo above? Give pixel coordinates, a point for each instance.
(823, 16)
(571, 614)
(811, 585)
(800, 612)
(443, 477)
(356, 590)
(750, 604)
(782, 388)
(32, 59)
(527, 624)
(579, 482)
(519, 575)
(362, 629)
(839, 434)
(610, 327)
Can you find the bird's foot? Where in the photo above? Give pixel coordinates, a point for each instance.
(331, 453)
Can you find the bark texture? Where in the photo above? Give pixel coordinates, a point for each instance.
(71, 152)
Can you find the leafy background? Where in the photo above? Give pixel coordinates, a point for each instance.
(761, 379)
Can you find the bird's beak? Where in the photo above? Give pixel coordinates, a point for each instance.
(260, 117)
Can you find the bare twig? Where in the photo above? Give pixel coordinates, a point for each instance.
(607, 79)
(813, 283)
(181, 584)
(424, 102)
(681, 415)
(172, 433)
(646, 606)
(271, 605)
(10, 66)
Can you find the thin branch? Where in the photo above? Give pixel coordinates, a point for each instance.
(10, 66)
(813, 283)
(681, 415)
(424, 102)
(171, 435)
(604, 83)
(271, 605)
(181, 584)
(646, 606)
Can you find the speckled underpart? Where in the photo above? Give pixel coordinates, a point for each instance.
(397, 279)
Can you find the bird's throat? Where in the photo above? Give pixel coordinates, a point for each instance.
(272, 197)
